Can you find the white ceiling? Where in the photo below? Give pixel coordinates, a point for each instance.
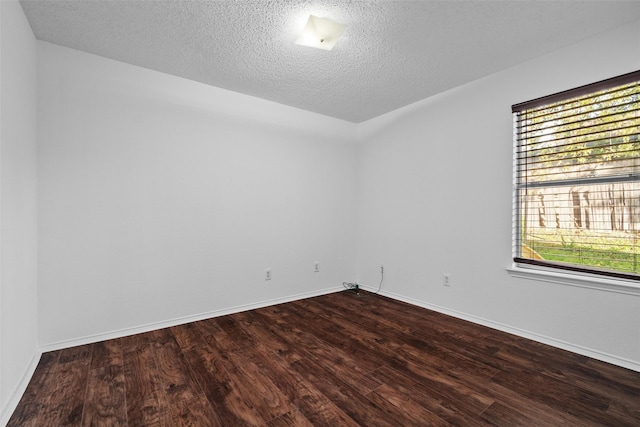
(392, 54)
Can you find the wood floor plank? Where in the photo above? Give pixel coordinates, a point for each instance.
(625, 413)
(217, 383)
(258, 388)
(451, 412)
(65, 403)
(336, 336)
(522, 406)
(258, 333)
(186, 401)
(439, 333)
(105, 396)
(329, 357)
(412, 340)
(146, 405)
(500, 415)
(332, 360)
(310, 338)
(269, 356)
(354, 404)
(416, 348)
(556, 394)
(403, 407)
(291, 419)
(106, 354)
(446, 386)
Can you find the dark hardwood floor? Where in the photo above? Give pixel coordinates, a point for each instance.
(333, 360)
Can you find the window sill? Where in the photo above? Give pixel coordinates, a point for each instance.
(583, 281)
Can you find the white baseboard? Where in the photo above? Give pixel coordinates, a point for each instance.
(594, 354)
(89, 339)
(14, 399)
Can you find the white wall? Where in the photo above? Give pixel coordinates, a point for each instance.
(163, 199)
(434, 189)
(18, 302)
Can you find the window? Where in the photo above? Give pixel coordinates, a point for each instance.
(577, 179)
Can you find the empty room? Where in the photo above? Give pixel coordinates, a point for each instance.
(319, 213)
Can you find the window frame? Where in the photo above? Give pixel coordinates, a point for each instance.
(549, 270)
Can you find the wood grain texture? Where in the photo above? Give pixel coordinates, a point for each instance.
(145, 400)
(104, 402)
(333, 360)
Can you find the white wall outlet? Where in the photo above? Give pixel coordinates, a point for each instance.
(316, 267)
(446, 280)
(267, 274)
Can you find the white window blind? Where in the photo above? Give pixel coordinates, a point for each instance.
(577, 179)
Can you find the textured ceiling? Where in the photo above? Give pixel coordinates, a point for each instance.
(392, 54)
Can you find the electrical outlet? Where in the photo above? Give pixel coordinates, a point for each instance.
(267, 274)
(316, 267)
(446, 280)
